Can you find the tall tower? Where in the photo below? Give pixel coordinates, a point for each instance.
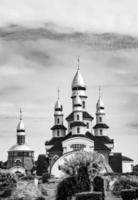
(100, 127)
(78, 126)
(78, 86)
(20, 131)
(20, 155)
(59, 130)
(79, 92)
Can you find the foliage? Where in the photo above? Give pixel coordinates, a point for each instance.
(26, 191)
(73, 184)
(92, 160)
(128, 194)
(7, 183)
(45, 177)
(98, 185)
(89, 195)
(27, 178)
(42, 165)
(123, 183)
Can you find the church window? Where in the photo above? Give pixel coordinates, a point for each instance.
(101, 131)
(77, 117)
(87, 124)
(58, 133)
(100, 119)
(18, 162)
(78, 130)
(57, 120)
(77, 147)
(83, 104)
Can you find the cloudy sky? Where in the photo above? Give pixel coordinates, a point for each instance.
(40, 41)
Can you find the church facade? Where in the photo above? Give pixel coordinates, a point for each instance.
(80, 133)
(20, 155)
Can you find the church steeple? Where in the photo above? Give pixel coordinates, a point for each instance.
(59, 130)
(79, 86)
(20, 130)
(100, 127)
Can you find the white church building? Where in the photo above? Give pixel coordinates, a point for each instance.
(80, 133)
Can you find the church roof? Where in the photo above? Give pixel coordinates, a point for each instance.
(78, 80)
(100, 141)
(54, 140)
(125, 158)
(86, 115)
(104, 139)
(58, 127)
(22, 147)
(100, 125)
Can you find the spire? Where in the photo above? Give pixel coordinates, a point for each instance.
(20, 126)
(99, 92)
(58, 93)
(20, 114)
(78, 79)
(100, 104)
(78, 63)
(58, 105)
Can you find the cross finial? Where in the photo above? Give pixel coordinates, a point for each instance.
(21, 114)
(58, 93)
(78, 62)
(99, 91)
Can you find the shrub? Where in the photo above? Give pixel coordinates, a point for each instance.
(42, 164)
(128, 194)
(45, 177)
(8, 184)
(73, 184)
(26, 191)
(89, 195)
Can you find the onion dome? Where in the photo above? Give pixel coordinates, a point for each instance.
(77, 101)
(78, 80)
(100, 104)
(20, 126)
(58, 105)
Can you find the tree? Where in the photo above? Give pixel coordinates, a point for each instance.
(42, 165)
(94, 161)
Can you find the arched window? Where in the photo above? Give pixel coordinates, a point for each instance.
(57, 120)
(87, 124)
(18, 162)
(78, 129)
(100, 119)
(101, 131)
(83, 104)
(78, 117)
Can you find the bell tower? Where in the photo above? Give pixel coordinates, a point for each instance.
(59, 130)
(20, 131)
(101, 126)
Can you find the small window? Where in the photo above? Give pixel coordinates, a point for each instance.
(87, 124)
(58, 133)
(100, 119)
(78, 130)
(78, 117)
(83, 104)
(101, 131)
(57, 120)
